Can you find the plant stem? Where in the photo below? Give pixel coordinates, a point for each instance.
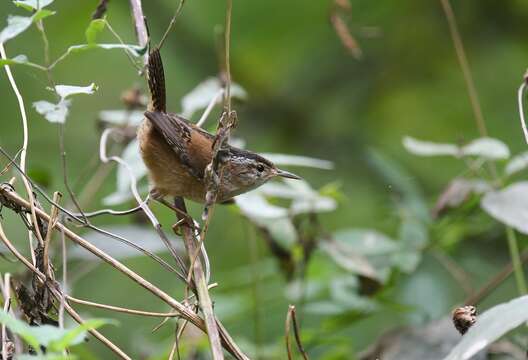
(516, 260)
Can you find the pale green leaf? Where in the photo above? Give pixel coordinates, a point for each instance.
(509, 205)
(15, 26)
(199, 97)
(67, 90)
(488, 148)
(31, 5)
(19, 59)
(41, 14)
(295, 160)
(54, 113)
(19, 327)
(517, 163)
(94, 29)
(121, 117)
(428, 148)
(134, 49)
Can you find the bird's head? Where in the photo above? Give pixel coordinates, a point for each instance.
(246, 170)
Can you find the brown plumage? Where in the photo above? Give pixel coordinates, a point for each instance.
(176, 152)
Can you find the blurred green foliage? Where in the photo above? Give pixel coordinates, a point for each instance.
(307, 96)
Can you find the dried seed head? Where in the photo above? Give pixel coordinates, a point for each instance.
(464, 317)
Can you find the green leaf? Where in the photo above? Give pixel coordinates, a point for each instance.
(19, 59)
(134, 49)
(15, 26)
(484, 147)
(67, 90)
(509, 205)
(41, 14)
(200, 97)
(76, 335)
(20, 328)
(517, 163)
(490, 326)
(94, 29)
(54, 113)
(19, 24)
(31, 5)
(52, 337)
(427, 148)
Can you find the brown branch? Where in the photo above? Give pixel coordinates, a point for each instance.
(292, 318)
(58, 296)
(121, 309)
(51, 225)
(9, 199)
(100, 11)
(206, 304)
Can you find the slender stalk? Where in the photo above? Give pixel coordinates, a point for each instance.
(7, 300)
(227, 98)
(516, 261)
(31, 218)
(206, 304)
(57, 295)
(464, 65)
(121, 309)
(520, 95)
(13, 198)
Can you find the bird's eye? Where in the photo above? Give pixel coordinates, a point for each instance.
(260, 168)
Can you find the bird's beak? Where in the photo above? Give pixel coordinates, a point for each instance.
(287, 174)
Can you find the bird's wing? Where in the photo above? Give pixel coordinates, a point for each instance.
(192, 145)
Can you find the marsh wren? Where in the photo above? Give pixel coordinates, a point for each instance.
(177, 152)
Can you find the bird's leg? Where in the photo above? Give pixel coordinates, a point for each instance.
(154, 194)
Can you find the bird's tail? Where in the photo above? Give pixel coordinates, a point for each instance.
(156, 81)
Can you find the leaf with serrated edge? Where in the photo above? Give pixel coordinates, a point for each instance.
(490, 326)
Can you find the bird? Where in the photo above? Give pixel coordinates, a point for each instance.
(176, 152)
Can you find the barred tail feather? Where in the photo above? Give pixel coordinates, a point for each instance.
(156, 81)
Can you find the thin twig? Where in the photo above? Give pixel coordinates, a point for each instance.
(57, 295)
(520, 95)
(227, 45)
(171, 24)
(291, 318)
(88, 225)
(54, 213)
(13, 198)
(121, 309)
(6, 288)
(464, 65)
(64, 281)
(494, 282)
(33, 218)
(142, 203)
(209, 108)
(141, 28)
(206, 304)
